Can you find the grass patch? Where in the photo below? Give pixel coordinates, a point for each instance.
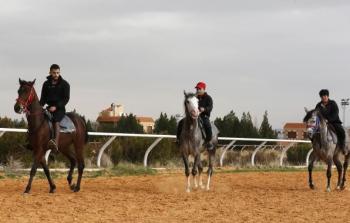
(268, 169)
(123, 169)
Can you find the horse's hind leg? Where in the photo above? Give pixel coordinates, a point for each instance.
(310, 168)
(339, 168)
(71, 168)
(187, 172)
(329, 174)
(48, 175)
(211, 155)
(345, 167)
(81, 166)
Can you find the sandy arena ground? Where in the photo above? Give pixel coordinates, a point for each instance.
(235, 197)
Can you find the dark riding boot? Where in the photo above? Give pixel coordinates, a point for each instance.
(208, 132)
(340, 132)
(53, 143)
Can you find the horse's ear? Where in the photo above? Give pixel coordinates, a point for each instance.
(306, 110)
(20, 81)
(185, 93)
(33, 81)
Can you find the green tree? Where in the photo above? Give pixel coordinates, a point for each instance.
(247, 126)
(229, 125)
(265, 130)
(165, 125)
(129, 124)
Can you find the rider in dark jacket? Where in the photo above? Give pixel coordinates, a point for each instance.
(205, 105)
(329, 110)
(55, 94)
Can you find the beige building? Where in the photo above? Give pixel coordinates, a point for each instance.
(295, 130)
(116, 111)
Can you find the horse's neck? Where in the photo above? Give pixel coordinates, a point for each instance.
(36, 115)
(323, 132)
(191, 125)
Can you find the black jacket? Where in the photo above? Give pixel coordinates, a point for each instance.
(330, 111)
(206, 102)
(55, 95)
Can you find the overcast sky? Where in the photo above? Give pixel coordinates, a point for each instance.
(254, 55)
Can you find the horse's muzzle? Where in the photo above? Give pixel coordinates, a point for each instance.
(18, 108)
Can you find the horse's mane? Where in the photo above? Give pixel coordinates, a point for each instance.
(309, 115)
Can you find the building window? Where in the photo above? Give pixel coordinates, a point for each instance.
(292, 135)
(306, 136)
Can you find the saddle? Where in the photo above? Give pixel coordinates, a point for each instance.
(66, 124)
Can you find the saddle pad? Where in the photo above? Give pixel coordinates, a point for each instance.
(66, 124)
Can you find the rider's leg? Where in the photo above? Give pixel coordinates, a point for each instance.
(208, 132)
(341, 135)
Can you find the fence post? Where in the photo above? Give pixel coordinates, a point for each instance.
(284, 151)
(149, 150)
(256, 151)
(224, 150)
(103, 148)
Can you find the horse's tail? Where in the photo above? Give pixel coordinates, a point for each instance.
(86, 130)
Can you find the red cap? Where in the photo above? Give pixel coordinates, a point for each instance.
(201, 85)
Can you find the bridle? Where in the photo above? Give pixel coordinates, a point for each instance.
(314, 126)
(25, 103)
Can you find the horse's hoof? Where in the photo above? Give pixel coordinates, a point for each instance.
(76, 189)
(312, 187)
(207, 188)
(338, 188)
(72, 187)
(25, 193)
(202, 187)
(328, 189)
(52, 191)
(188, 190)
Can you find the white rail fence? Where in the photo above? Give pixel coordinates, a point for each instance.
(287, 144)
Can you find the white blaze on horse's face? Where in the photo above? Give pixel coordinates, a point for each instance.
(312, 125)
(192, 107)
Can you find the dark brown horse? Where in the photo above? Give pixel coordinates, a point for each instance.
(39, 136)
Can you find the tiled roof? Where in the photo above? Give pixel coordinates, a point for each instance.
(294, 125)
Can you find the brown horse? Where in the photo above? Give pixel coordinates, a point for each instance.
(39, 136)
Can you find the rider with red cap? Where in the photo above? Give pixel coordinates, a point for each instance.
(205, 105)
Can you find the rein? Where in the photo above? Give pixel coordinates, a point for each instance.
(26, 103)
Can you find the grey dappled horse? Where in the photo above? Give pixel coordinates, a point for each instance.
(191, 142)
(324, 144)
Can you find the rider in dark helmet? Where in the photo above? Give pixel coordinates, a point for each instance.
(55, 93)
(205, 105)
(329, 110)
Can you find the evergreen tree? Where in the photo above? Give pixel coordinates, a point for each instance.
(165, 125)
(129, 124)
(265, 130)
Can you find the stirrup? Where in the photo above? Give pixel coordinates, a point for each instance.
(209, 146)
(53, 145)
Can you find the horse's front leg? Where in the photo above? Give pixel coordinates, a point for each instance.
(339, 169)
(329, 174)
(48, 175)
(187, 172)
(32, 175)
(310, 168)
(195, 169)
